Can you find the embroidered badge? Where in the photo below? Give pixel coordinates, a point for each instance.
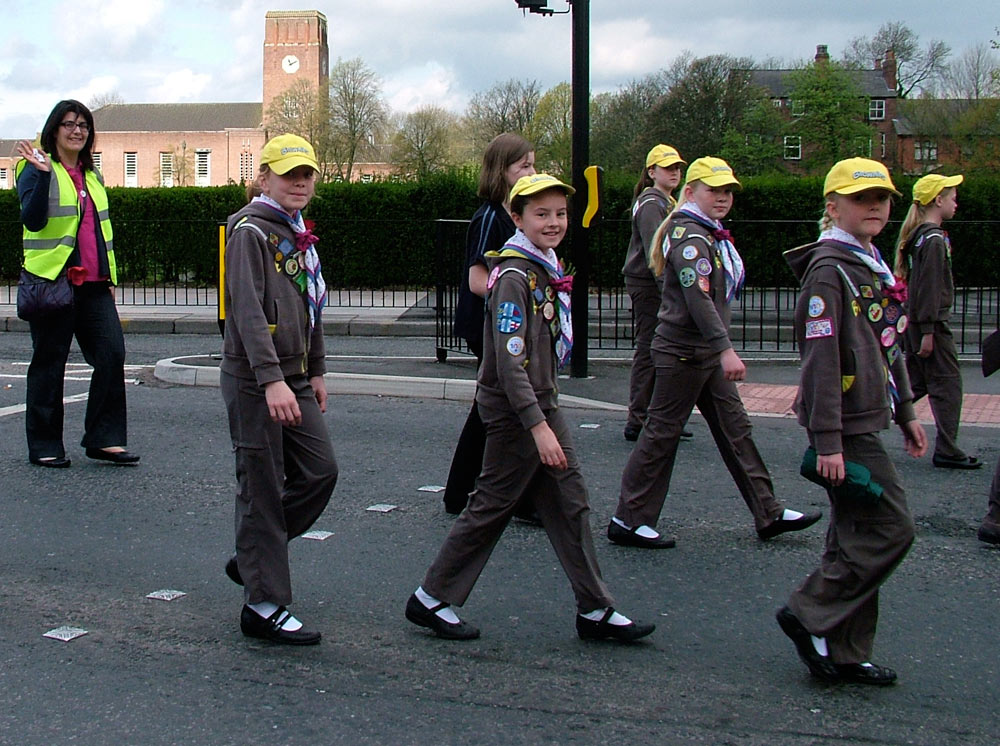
(874, 313)
(678, 232)
(538, 295)
(855, 307)
(703, 266)
(718, 261)
(532, 279)
(885, 303)
(549, 310)
(888, 336)
(278, 256)
(509, 318)
(273, 239)
(291, 266)
(704, 285)
(819, 328)
(892, 354)
(846, 382)
(690, 252)
(686, 276)
(550, 294)
(866, 291)
(892, 313)
(515, 346)
(902, 324)
(816, 306)
(492, 279)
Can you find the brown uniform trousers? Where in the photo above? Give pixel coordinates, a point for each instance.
(645, 306)
(679, 386)
(286, 476)
(864, 544)
(992, 519)
(510, 467)
(939, 379)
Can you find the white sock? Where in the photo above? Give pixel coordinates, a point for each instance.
(867, 664)
(791, 515)
(430, 602)
(644, 531)
(619, 620)
(819, 643)
(265, 609)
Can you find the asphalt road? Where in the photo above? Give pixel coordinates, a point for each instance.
(83, 547)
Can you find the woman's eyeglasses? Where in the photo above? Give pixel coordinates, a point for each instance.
(72, 126)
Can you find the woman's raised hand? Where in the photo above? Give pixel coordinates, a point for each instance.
(32, 155)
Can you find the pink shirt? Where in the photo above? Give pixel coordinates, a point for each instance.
(86, 234)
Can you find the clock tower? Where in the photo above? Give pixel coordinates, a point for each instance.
(295, 48)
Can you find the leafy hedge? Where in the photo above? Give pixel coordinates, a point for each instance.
(382, 235)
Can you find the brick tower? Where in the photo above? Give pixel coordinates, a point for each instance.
(295, 48)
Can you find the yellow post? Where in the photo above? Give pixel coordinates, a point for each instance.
(222, 273)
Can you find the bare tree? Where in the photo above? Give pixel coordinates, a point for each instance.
(552, 129)
(303, 110)
(915, 66)
(105, 99)
(618, 138)
(506, 107)
(358, 114)
(975, 75)
(422, 144)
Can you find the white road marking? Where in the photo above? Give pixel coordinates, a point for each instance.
(17, 409)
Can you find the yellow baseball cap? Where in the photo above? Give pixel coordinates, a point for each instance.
(663, 155)
(931, 185)
(713, 171)
(854, 175)
(537, 183)
(284, 152)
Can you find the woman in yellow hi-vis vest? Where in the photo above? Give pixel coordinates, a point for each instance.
(64, 209)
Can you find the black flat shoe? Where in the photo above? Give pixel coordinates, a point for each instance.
(856, 673)
(632, 433)
(819, 666)
(948, 462)
(254, 625)
(629, 538)
(588, 629)
(61, 462)
(989, 535)
(782, 526)
(233, 571)
(686, 434)
(119, 458)
(420, 615)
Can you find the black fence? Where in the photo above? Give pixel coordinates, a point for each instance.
(762, 317)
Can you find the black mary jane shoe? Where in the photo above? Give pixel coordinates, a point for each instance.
(783, 526)
(420, 615)
(857, 673)
(631, 433)
(627, 537)
(602, 629)
(233, 570)
(59, 462)
(120, 458)
(950, 462)
(819, 666)
(254, 625)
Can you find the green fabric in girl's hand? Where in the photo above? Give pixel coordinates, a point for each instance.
(858, 484)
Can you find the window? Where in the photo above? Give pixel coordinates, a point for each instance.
(876, 109)
(863, 147)
(166, 169)
(776, 103)
(131, 169)
(367, 178)
(4, 179)
(925, 150)
(881, 138)
(98, 161)
(202, 167)
(798, 107)
(793, 147)
(246, 167)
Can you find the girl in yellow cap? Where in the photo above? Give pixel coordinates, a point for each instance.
(696, 364)
(923, 261)
(848, 321)
(652, 200)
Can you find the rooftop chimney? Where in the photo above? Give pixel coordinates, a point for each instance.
(889, 69)
(822, 55)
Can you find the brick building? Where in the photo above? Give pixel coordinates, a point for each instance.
(149, 145)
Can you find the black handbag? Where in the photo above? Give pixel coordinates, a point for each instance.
(39, 297)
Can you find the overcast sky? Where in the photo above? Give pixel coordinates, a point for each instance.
(425, 51)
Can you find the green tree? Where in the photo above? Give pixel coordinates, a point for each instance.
(358, 114)
(618, 136)
(828, 115)
(753, 145)
(506, 107)
(916, 66)
(552, 129)
(422, 144)
(303, 110)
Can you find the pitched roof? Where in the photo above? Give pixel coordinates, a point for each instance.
(871, 82)
(178, 117)
(7, 146)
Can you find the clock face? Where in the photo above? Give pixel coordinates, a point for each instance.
(290, 63)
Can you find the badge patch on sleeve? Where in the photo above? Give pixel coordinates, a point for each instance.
(704, 284)
(678, 233)
(818, 328)
(690, 252)
(515, 346)
(703, 266)
(509, 318)
(686, 276)
(816, 306)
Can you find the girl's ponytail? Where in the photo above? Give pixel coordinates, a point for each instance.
(657, 261)
(914, 217)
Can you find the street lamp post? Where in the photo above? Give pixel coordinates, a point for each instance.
(580, 135)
